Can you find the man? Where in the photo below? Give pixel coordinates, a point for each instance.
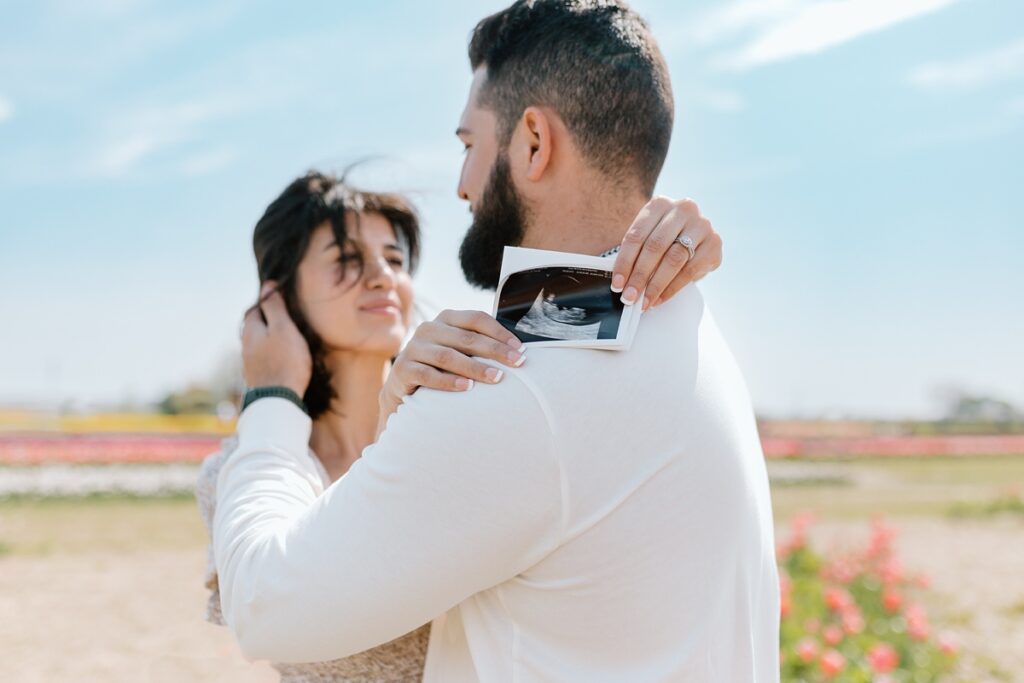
(597, 516)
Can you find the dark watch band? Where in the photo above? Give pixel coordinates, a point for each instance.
(272, 391)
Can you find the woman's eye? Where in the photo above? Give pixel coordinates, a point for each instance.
(397, 262)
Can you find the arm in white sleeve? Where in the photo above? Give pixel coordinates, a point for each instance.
(461, 492)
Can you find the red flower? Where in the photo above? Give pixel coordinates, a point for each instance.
(838, 599)
(853, 621)
(883, 658)
(807, 649)
(832, 663)
(833, 635)
(881, 538)
(891, 571)
(948, 643)
(891, 600)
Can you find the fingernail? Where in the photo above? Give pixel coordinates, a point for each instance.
(618, 282)
(494, 375)
(629, 297)
(522, 359)
(647, 303)
(516, 344)
(463, 384)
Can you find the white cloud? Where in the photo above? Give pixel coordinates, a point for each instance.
(730, 20)
(137, 135)
(6, 109)
(987, 67)
(208, 162)
(787, 29)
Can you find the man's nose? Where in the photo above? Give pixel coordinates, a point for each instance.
(460, 189)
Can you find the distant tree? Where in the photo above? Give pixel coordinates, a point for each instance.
(964, 407)
(207, 397)
(982, 409)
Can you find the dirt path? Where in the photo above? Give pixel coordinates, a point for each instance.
(127, 617)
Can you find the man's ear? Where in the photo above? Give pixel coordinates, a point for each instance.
(537, 142)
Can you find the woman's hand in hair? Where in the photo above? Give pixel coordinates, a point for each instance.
(439, 356)
(650, 257)
(274, 352)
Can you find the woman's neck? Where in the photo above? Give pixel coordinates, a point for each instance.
(340, 435)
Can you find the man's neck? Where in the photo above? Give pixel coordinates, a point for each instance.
(585, 226)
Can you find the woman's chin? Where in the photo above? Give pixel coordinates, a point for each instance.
(387, 343)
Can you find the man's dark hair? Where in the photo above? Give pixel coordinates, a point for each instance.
(592, 61)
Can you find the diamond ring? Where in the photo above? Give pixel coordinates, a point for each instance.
(687, 242)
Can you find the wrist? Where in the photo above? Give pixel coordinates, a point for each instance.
(273, 391)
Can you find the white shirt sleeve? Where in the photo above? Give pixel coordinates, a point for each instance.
(461, 492)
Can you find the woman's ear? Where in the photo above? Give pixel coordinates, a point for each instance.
(538, 141)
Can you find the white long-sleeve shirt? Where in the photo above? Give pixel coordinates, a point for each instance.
(596, 516)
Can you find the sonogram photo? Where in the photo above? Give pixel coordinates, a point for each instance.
(560, 303)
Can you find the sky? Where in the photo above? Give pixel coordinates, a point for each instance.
(860, 158)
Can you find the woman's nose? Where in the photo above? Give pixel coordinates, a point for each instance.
(379, 273)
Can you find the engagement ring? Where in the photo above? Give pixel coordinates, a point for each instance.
(687, 242)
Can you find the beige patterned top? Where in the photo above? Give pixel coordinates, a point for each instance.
(399, 661)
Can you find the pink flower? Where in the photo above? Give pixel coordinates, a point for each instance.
(881, 538)
(917, 622)
(833, 635)
(838, 599)
(785, 591)
(840, 570)
(883, 658)
(798, 533)
(853, 621)
(891, 571)
(807, 649)
(948, 643)
(832, 663)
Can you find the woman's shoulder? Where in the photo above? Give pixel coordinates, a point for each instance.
(206, 480)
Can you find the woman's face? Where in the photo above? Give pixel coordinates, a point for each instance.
(367, 311)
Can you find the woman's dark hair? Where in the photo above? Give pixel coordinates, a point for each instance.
(282, 236)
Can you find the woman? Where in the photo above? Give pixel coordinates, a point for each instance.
(342, 260)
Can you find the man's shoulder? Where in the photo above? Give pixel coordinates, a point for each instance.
(511, 404)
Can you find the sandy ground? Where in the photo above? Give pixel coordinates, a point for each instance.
(103, 617)
(112, 591)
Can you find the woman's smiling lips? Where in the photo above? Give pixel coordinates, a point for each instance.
(382, 307)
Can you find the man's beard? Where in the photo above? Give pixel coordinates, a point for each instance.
(498, 221)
